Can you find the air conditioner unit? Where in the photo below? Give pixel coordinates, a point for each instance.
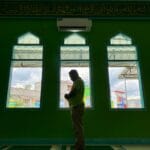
(70, 24)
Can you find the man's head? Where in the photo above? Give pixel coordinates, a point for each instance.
(73, 75)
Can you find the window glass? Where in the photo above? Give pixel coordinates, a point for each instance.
(28, 38)
(124, 73)
(74, 52)
(83, 69)
(122, 52)
(74, 39)
(25, 73)
(74, 56)
(27, 52)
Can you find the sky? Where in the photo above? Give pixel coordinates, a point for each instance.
(25, 76)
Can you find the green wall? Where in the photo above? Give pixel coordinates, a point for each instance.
(49, 123)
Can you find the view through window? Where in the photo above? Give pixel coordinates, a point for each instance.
(124, 73)
(26, 73)
(74, 55)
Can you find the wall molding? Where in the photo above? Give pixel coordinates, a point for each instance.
(74, 9)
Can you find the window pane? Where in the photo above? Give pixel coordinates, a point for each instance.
(120, 39)
(122, 53)
(74, 39)
(25, 85)
(74, 63)
(22, 63)
(28, 38)
(74, 52)
(124, 81)
(66, 83)
(27, 52)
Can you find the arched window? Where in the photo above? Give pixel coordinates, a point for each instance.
(74, 54)
(26, 73)
(124, 73)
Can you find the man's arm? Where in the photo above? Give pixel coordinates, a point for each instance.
(71, 94)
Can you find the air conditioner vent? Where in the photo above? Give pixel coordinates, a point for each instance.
(68, 24)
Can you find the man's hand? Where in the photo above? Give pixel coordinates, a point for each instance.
(66, 96)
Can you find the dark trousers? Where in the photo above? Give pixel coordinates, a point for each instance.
(77, 121)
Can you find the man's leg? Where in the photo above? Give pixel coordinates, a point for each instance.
(77, 119)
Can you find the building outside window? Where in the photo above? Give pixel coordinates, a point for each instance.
(24, 89)
(74, 54)
(124, 73)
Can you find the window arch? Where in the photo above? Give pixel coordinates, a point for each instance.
(26, 73)
(74, 39)
(74, 54)
(124, 73)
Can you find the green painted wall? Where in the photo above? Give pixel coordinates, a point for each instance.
(49, 122)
